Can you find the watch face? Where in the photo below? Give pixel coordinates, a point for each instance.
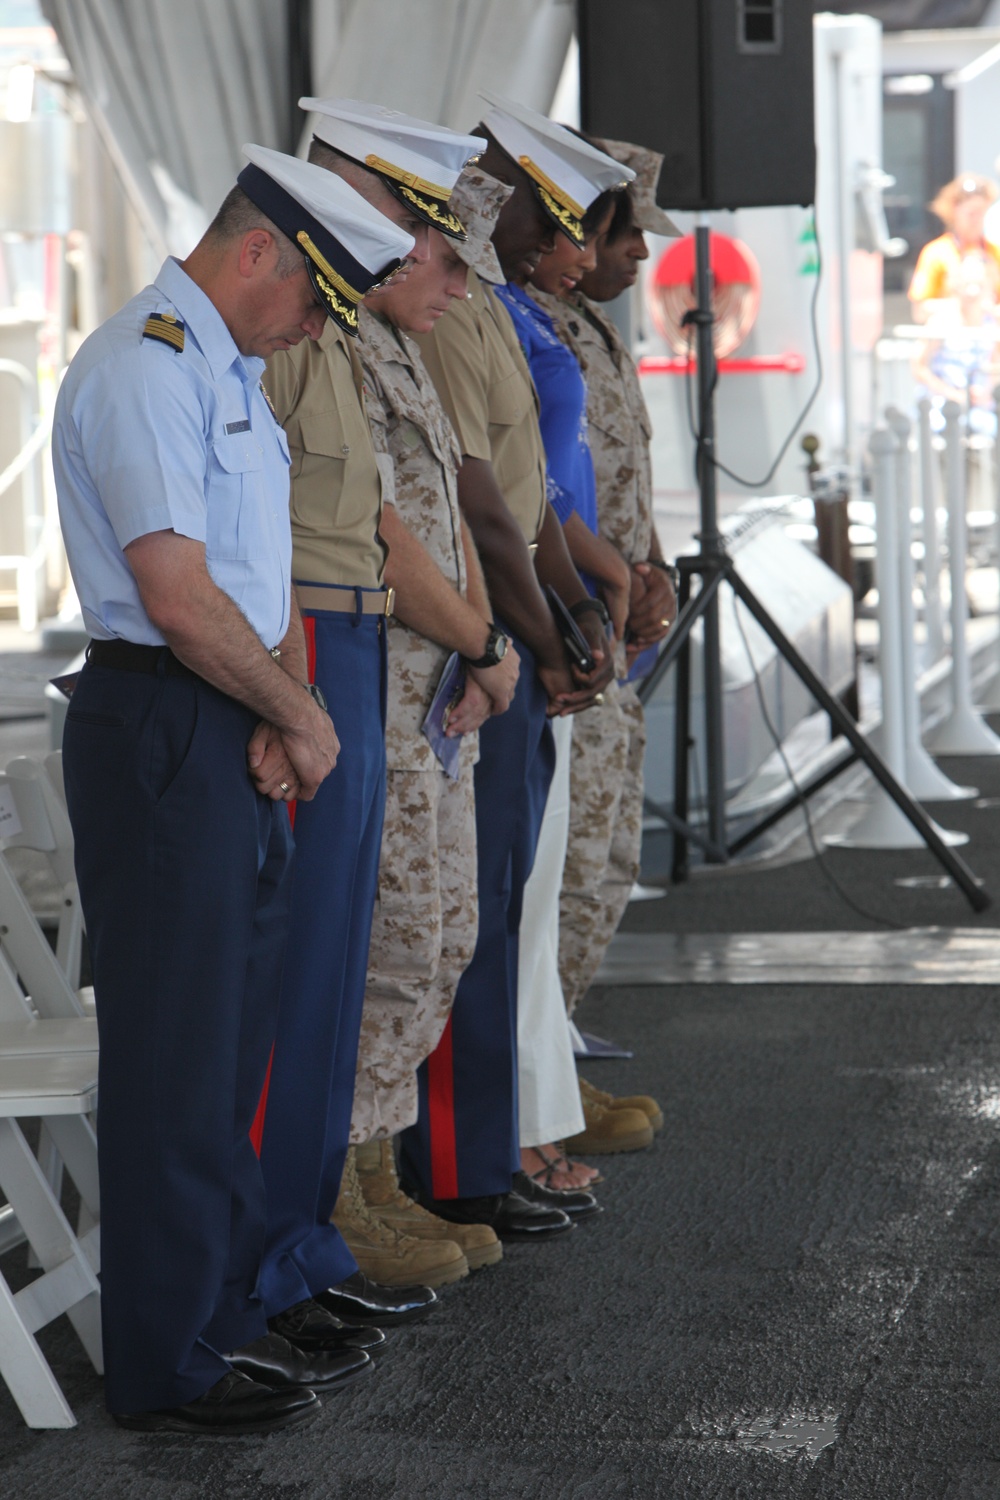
(498, 646)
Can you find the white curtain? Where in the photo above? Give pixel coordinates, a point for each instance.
(175, 88)
(430, 57)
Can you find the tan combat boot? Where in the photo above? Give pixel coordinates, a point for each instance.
(382, 1252)
(649, 1107)
(384, 1196)
(607, 1131)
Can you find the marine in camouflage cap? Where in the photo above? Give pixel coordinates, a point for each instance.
(646, 165)
(477, 199)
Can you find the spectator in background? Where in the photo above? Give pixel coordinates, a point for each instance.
(961, 206)
(960, 359)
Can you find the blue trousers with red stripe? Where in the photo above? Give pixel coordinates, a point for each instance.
(184, 876)
(465, 1141)
(307, 1113)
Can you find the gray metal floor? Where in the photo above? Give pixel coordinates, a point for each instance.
(793, 1294)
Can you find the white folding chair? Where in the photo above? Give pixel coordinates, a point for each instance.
(61, 1090)
(40, 1012)
(45, 827)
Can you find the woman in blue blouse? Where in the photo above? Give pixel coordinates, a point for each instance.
(549, 1095)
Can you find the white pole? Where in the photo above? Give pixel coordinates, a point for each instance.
(933, 616)
(885, 826)
(923, 778)
(989, 701)
(963, 732)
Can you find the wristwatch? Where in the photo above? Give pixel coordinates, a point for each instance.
(672, 573)
(496, 648)
(317, 694)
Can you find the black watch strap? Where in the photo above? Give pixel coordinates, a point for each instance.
(495, 652)
(591, 607)
(672, 573)
(317, 694)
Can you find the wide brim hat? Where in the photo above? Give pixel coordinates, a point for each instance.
(567, 173)
(646, 164)
(419, 162)
(348, 246)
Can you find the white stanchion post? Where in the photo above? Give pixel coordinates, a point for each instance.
(989, 701)
(933, 614)
(963, 732)
(885, 826)
(924, 780)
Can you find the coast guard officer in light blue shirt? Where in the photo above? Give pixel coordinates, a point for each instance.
(185, 735)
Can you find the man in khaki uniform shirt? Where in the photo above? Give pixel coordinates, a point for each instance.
(460, 1157)
(337, 568)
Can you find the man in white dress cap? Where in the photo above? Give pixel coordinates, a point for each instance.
(460, 1156)
(186, 732)
(406, 169)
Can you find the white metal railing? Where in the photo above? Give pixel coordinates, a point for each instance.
(34, 435)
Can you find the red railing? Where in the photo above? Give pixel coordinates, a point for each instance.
(754, 364)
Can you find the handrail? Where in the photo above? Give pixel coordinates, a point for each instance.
(35, 433)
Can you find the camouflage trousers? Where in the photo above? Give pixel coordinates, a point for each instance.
(423, 938)
(605, 834)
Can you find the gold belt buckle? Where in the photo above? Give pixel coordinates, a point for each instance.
(390, 600)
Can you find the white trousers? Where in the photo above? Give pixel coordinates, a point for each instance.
(548, 1090)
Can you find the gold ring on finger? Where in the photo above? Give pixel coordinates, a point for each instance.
(284, 786)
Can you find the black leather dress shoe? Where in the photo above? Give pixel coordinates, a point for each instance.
(508, 1214)
(311, 1328)
(232, 1407)
(358, 1300)
(576, 1202)
(273, 1361)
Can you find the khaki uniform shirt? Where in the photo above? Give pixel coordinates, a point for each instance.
(482, 377)
(620, 428)
(409, 425)
(336, 500)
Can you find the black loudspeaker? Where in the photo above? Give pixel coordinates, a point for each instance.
(723, 88)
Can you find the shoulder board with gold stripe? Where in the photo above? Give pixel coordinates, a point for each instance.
(167, 329)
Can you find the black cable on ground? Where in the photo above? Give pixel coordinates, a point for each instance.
(803, 801)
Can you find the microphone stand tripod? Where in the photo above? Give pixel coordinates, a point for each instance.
(713, 566)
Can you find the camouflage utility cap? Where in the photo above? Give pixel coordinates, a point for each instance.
(477, 199)
(646, 165)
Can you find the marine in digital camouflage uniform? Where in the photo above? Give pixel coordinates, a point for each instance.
(426, 914)
(426, 917)
(606, 776)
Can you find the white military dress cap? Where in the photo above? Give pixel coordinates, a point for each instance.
(419, 162)
(567, 173)
(349, 247)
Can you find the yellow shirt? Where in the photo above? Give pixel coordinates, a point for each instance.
(336, 499)
(938, 262)
(482, 377)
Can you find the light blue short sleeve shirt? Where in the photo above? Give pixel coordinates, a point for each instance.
(147, 438)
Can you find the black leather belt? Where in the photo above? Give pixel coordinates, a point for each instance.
(126, 656)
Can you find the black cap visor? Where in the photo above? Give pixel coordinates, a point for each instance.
(340, 281)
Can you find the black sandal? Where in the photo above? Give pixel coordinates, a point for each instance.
(558, 1163)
